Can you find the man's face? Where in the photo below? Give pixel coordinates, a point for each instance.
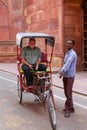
(69, 45)
(31, 44)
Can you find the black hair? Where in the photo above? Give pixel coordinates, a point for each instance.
(32, 39)
(71, 41)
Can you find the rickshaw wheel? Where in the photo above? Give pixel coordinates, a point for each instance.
(20, 95)
(20, 90)
(51, 109)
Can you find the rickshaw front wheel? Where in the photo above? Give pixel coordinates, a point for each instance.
(51, 109)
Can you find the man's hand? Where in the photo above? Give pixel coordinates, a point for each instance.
(60, 74)
(30, 66)
(36, 67)
(25, 62)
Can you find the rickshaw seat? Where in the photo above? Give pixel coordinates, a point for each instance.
(33, 71)
(43, 60)
(22, 71)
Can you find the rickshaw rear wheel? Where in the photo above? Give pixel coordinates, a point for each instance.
(51, 109)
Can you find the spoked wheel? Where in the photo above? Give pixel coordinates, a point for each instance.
(51, 109)
(20, 92)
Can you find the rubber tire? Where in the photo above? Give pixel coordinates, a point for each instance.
(20, 91)
(20, 95)
(51, 109)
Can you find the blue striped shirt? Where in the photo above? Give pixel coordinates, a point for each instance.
(69, 67)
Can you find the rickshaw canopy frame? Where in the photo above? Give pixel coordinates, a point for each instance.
(50, 40)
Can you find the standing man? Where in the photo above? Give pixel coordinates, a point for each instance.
(31, 57)
(68, 72)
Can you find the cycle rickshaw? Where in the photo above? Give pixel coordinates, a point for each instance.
(42, 84)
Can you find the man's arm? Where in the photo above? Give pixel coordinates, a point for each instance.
(39, 59)
(66, 65)
(37, 64)
(25, 62)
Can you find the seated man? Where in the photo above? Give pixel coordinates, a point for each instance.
(31, 57)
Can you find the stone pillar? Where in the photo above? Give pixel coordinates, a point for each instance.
(59, 46)
(61, 28)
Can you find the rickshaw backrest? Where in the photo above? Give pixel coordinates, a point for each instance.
(43, 57)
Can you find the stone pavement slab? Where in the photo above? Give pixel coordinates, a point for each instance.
(80, 83)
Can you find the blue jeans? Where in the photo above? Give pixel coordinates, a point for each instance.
(28, 73)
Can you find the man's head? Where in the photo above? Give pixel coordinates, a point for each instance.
(70, 43)
(32, 42)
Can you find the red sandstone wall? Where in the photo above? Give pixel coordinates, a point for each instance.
(4, 22)
(46, 16)
(60, 18)
(10, 23)
(42, 16)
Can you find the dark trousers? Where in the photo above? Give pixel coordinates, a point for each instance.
(68, 85)
(28, 73)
